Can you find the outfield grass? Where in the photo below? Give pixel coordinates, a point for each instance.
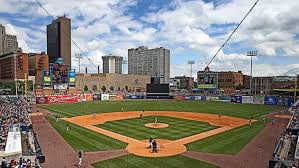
(132, 161)
(236, 110)
(230, 142)
(84, 139)
(178, 128)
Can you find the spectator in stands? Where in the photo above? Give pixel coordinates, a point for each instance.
(13, 110)
(4, 163)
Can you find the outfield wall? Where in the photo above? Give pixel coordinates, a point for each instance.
(266, 100)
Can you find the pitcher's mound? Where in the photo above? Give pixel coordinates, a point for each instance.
(156, 125)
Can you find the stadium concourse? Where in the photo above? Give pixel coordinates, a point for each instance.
(18, 142)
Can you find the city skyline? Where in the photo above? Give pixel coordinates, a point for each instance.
(192, 30)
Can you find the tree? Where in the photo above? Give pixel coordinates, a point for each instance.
(111, 88)
(94, 88)
(85, 88)
(103, 88)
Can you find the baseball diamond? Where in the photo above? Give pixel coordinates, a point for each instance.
(188, 127)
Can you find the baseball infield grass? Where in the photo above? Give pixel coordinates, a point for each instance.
(178, 128)
(132, 161)
(84, 139)
(235, 110)
(230, 142)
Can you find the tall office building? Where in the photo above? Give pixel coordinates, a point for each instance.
(8, 43)
(112, 64)
(11, 43)
(2, 36)
(154, 62)
(59, 40)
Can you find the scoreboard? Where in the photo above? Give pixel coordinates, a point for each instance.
(59, 76)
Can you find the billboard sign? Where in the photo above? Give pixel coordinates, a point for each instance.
(271, 100)
(247, 99)
(236, 99)
(206, 86)
(56, 99)
(283, 78)
(72, 78)
(46, 78)
(104, 96)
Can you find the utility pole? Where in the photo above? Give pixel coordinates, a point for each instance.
(251, 54)
(79, 56)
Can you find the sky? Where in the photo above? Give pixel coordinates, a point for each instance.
(191, 29)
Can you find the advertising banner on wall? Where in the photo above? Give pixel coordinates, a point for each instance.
(40, 100)
(179, 98)
(271, 100)
(236, 99)
(104, 96)
(96, 96)
(206, 86)
(72, 78)
(57, 99)
(247, 99)
(258, 100)
(119, 97)
(211, 98)
(197, 97)
(46, 78)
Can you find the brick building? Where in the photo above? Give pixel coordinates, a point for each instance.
(10, 61)
(117, 81)
(185, 82)
(230, 81)
(30, 64)
(38, 62)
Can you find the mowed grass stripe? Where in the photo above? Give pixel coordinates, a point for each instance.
(83, 139)
(132, 161)
(230, 142)
(135, 128)
(236, 110)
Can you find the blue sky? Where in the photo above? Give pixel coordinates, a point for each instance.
(191, 29)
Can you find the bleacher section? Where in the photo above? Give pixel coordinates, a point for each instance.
(18, 142)
(286, 152)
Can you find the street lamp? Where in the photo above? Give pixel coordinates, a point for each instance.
(251, 54)
(79, 56)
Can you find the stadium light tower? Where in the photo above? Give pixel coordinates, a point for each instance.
(191, 63)
(251, 54)
(79, 56)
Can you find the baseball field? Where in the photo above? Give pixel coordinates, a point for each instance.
(178, 126)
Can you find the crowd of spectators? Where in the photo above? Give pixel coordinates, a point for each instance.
(21, 163)
(13, 110)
